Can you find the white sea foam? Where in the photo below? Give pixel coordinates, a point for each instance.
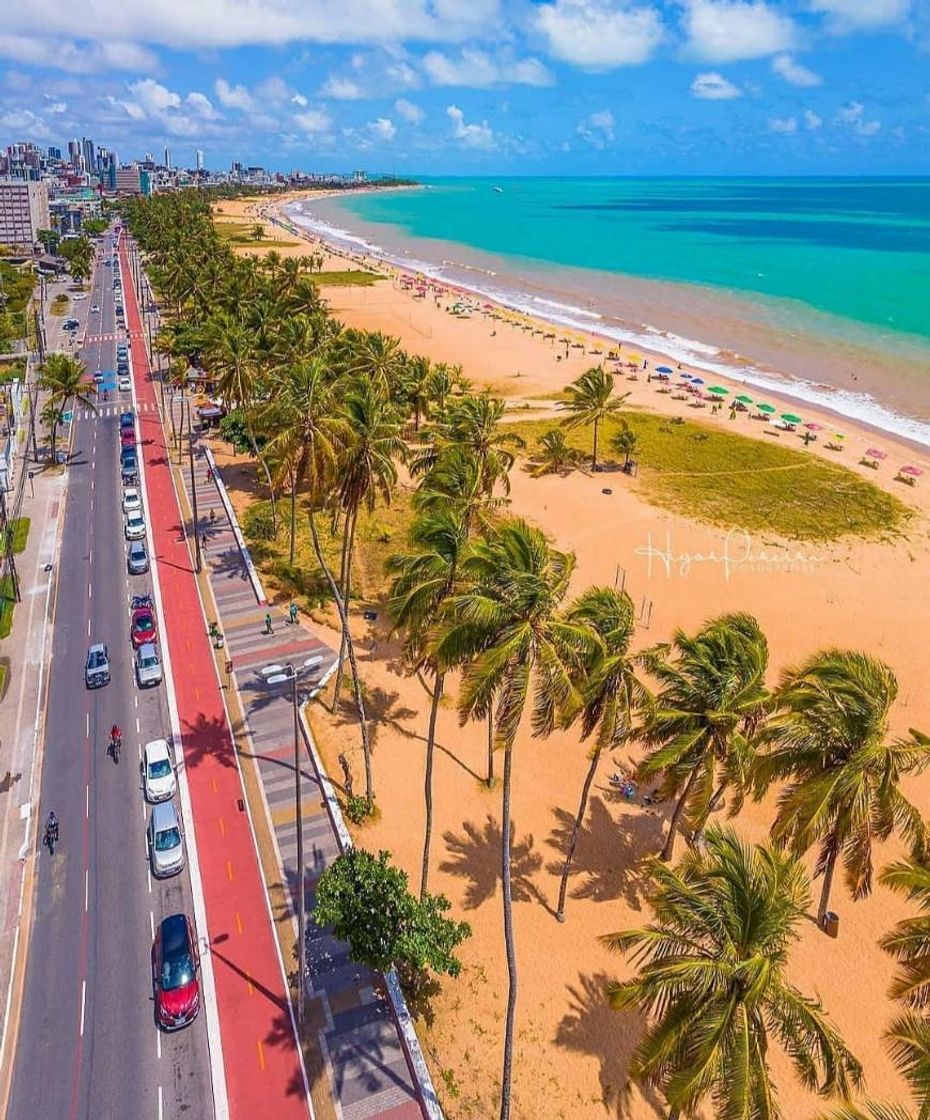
(692, 352)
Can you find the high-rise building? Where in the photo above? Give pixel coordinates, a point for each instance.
(23, 212)
(128, 180)
(167, 157)
(74, 153)
(54, 153)
(199, 159)
(87, 151)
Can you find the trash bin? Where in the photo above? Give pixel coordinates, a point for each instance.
(831, 924)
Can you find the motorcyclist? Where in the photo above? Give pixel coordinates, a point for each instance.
(51, 829)
(116, 734)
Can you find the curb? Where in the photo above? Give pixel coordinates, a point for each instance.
(237, 532)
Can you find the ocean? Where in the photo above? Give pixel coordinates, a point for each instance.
(817, 287)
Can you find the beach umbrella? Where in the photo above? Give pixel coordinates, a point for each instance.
(743, 399)
(874, 453)
(718, 391)
(813, 426)
(914, 472)
(685, 376)
(839, 435)
(768, 409)
(790, 418)
(697, 380)
(634, 358)
(663, 369)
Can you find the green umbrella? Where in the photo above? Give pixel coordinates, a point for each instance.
(790, 418)
(743, 399)
(718, 390)
(766, 408)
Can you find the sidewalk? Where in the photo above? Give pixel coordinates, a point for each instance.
(365, 1059)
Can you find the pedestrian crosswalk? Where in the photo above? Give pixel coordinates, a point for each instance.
(113, 409)
(116, 336)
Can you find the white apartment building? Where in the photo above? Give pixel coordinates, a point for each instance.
(23, 212)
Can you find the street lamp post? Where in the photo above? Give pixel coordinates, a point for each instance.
(190, 451)
(281, 674)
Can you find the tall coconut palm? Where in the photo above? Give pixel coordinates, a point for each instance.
(609, 691)
(909, 941)
(829, 741)
(699, 728)
(473, 424)
(591, 400)
(624, 442)
(63, 379)
(417, 387)
(506, 630)
(712, 980)
(425, 578)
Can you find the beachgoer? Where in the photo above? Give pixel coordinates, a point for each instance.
(292, 613)
(269, 629)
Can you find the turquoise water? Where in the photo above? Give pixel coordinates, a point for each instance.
(854, 248)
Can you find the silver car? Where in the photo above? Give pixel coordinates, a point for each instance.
(158, 780)
(166, 841)
(148, 666)
(135, 525)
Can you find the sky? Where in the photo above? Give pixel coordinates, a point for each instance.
(509, 87)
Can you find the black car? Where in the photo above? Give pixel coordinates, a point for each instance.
(97, 666)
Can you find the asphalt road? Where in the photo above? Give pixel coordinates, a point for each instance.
(87, 1045)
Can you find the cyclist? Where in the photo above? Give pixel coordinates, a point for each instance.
(116, 740)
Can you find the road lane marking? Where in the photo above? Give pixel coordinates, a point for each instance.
(222, 825)
(90, 591)
(136, 698)
(86, 887)
(83, 999)
(148, 875)
(87, 801)
(152, 922)
(238, 922)
(229, 870)
(158, 1044)
(160, 1106)
(88, 628)
(87, 714)
(138, 726)
(261, 1055)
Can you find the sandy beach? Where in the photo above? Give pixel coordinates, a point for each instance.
(572, 1050)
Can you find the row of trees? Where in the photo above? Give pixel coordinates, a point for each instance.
(482, 599)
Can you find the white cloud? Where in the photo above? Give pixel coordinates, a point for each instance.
(133, 110)
(299, 99)
(383, 128)
(599, 34)
(66, 54)
(470, 135)
(783, 124)
(402, 74)
(731, 30)
(154, 97)
(853, 116)
(341, 89)
(899, 132)
(811, 121)
(597, 129)
(411, 113)
(202, 106)
(478, 70)
(314, 121)
(794, 73)
(714, 87)
(56, 108)
(233, 97)
(25, 121)
(855, 15)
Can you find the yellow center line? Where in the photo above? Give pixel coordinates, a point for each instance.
(213, 782)
(238, 922)
(229, 870)
(261, 1054)
(222, 825)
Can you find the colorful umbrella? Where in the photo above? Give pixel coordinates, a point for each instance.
(790, 418)
(685, 376)
(743, 399)
(637, 358)
(914, 472)
(814, 427)
(766, 408)
(697, 380)
(718, 391)
(839, 435)
(663, 369)
(874, 453)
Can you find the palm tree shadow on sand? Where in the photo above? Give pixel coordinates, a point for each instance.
(381, 709)
(476, 856)
(610, 853)
(592, 1027)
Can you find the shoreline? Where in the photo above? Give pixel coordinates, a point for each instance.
(855, 403)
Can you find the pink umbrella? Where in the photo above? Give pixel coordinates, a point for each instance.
(814, 427)
(874, 453)
(914, 472)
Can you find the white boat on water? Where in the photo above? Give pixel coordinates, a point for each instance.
(498, 190)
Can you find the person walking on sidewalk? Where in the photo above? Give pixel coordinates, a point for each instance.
(292, 612)
(269, 629)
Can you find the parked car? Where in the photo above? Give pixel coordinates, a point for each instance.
(127, 438)
(132, 499)
(166, 841)
(127, 419)
(129, 465)
(124, 384)
(158, 780)
(148, 666)
(174, 973)
(134, 527)
(142, 625)
(97, 666)
(137, 559)
(71, 324)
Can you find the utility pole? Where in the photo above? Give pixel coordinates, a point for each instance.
(301, 886)
(190, 449)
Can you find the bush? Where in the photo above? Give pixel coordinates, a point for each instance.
(309, 583)
(258, 522)
(357, 808)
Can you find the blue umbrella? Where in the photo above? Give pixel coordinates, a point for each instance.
(663, 369)
(697, 380)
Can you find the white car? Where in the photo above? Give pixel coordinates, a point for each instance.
(135, 525)
(158, 780)
(124, 384)
(132, 499)
(80, 295)
(95, 309)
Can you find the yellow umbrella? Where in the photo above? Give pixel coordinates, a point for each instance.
(637, 358)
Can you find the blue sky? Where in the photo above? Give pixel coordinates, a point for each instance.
(479, 86)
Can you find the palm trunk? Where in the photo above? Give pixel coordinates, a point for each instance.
(348, 544)
(267, 472)
(666, 853)
(711, 806)
(674, 1113)
(508, 939)
(594, 451)
(428, 783)
(350, 645)
(827, 885)
(489, 781)
(576, 828)
(293, 549)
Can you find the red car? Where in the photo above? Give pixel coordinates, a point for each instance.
(174, 973)
(127, 438)
(143, 626)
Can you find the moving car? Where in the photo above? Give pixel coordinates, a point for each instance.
(158, 780)
(166, 841)
(174, 973)
(80, 295)
(134, 527)
(97, 666)
(98, 376)
(124, 384)
(71, 324)
(95, 309)
(142, 626)
(132, 499)
(148, 667)
(137, 559)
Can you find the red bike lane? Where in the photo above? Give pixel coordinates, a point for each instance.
(262, 1063)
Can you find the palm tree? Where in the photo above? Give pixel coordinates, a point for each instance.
(554, 455)
(590, 400)
(828, 740)
(624, 443)
(712, 980)
(698, 730)
(609, 691)
(63, 379)
(417, 387)
(424, 580)
(505, 629)
(909, 941)
(473, 424)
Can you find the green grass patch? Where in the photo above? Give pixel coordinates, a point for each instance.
(7, 605)
(13, 371)
(240, 233)
(19, 527)
(3, 676)
(713, 474)
(60, 304)
(352, 278)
